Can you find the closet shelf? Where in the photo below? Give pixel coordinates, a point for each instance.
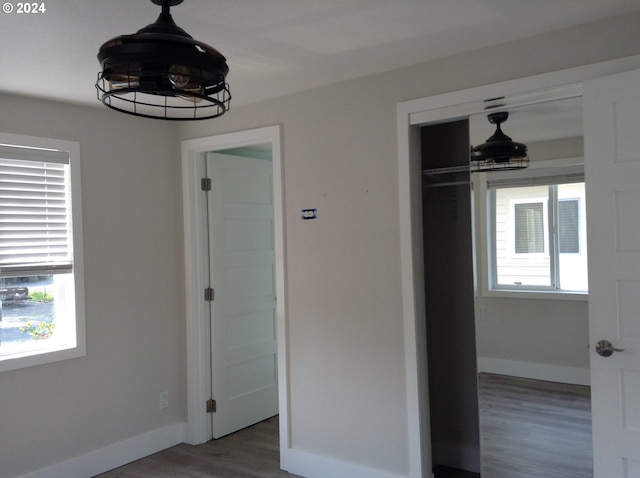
(448, 170)
(434, 177)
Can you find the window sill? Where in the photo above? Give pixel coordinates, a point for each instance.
(39, 356)
(537, 294)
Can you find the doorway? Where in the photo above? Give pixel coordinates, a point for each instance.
(200, 426)
(532, 330)
(242, 292)
(540, 335)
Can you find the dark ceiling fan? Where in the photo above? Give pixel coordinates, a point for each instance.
(499, 152)
(162, 72)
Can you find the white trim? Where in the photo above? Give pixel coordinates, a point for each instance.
(536, 295)
(198, 428)
(441, 108)
(535, 371)
(453, 105)
(413, 303)
(114, 455)
(311, 465)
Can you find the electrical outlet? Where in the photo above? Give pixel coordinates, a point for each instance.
(164, 400)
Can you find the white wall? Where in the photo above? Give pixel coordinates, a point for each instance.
(533, 338)
(346, 333)
(347, 353)
(134, 290)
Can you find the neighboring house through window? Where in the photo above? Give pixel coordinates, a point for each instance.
(40, 252)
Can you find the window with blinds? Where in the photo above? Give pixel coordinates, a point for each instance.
(41, 303)
(35, 221)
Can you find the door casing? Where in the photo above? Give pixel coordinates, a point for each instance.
(198, 427)
(410, 115)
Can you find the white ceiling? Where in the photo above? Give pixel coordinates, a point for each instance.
(275, 47)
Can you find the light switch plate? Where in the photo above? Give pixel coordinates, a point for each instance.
(309, 214)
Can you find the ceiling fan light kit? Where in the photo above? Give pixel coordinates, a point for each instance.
(499, 152)
(162, 72)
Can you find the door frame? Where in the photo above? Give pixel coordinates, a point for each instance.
(410, 116)
(198, 337)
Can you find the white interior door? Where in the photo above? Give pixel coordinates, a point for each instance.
(242, 274)
(612, 170)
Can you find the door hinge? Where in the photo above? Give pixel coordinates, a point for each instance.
(209, 294)
(211, 406)
(205, 183)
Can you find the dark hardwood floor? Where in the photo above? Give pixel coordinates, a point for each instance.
(530, 429)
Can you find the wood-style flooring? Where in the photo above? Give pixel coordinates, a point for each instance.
(249, 453)
(534, 429)
(529, 428)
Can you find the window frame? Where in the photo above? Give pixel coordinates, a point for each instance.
(76, 345)
(486, 273)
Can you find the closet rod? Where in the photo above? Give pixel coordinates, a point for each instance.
(451, 169)
(450, 183)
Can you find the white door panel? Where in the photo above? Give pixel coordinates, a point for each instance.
(243, 327)
(612, 170)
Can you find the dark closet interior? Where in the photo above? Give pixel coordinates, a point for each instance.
(448, 265)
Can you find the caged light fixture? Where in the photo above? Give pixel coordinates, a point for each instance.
(162, 72)
(500, 152)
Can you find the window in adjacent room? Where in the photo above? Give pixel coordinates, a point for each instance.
(41, 309)
(528, 221)
(538, 231)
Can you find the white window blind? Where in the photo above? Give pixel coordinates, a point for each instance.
(35, 220)
(569, 226)
(529, 228)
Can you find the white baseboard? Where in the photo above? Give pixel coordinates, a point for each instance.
(115, 455)
(311, 465)
(536, 371)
